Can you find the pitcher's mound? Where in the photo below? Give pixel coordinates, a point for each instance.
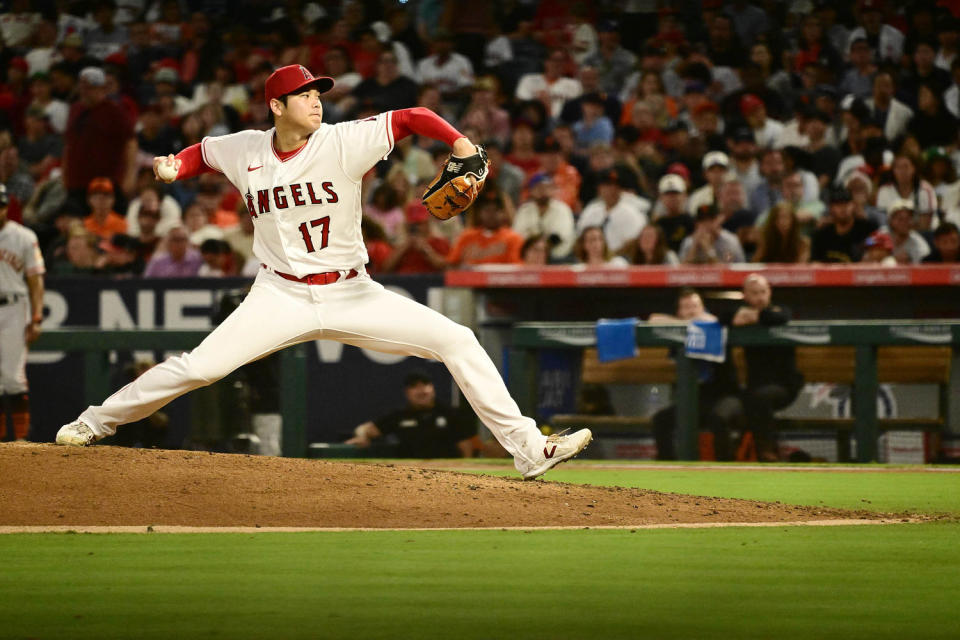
(43, 484)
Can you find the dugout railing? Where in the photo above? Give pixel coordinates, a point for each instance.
(96, 345)
(864, 337)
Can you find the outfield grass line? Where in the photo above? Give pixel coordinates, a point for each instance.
(682, 525)
(451, 465)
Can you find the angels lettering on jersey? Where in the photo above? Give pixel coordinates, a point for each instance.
(292, 195)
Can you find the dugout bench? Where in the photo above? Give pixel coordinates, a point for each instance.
(861, 354)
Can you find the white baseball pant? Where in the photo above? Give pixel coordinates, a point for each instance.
(13, 345)
(278, 313)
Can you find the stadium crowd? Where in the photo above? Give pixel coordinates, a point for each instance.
(702, 132)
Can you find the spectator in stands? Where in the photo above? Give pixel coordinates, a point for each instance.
(484, 114)
(590, 84)
(710, 243)
(419, 250)
(387, 89)
(716, 165)
(196, 221)
(934, 124)
(720, 408)
(591, 249)
(374, 239)
(39, 147)
(80, 256)
(906, 184)
(106, 37)
(892, 114)
(424, 428)
(148, 233)
(177, 259)
(535, 251)
(491, 240)
(734, 215)
(510, 178)
(946, 244)
(858, 80)
(566, 178)
(151, 197)
(878, 249)
(723, 48)
(385, 207)
(614, 62)
(551, 87)
(907, 246)
(743, 151)
(156, 137)
(103, 221)
(886, 41)
(449, 71)
(773, 381)
(824, 155)
(42, 98)
(675, 222)
(780, 240)
(841, 239)
(951, 97)
(544, 214)
(809, 212)
(770, 191)
(924, 73)
(523, 153)
(766, 131)
(99, 138)
(217, 261)
(620, 213)
(121, 256)
(594, 127)
(775, 78)
(15, 177)
(860, 187)
(650, 247)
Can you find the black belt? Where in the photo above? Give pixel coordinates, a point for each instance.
(9, 298)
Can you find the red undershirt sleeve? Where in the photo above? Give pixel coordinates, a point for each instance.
(191, 163)
(423, 122)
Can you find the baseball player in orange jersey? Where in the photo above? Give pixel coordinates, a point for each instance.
(301, 183)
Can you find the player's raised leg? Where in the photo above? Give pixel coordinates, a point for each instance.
(364, 314)
(274, 314)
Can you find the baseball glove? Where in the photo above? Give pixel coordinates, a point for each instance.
(457, 185)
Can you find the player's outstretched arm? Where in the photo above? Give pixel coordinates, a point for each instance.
(186, 164)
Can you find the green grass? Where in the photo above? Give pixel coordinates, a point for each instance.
(886, 491)
(790, 582)
(869, 581)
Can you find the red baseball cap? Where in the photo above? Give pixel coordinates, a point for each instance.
(293, 78)
(749, 102)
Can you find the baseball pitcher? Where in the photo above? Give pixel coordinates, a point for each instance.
(301, 184)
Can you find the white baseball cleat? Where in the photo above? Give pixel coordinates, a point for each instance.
(557, 449)
(76, 434)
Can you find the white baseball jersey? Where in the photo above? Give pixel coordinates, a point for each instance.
(306, 210)
(306, 214)
(19, 256)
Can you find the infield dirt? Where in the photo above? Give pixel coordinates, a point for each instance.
(43, 484)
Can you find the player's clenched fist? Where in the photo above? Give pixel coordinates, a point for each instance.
(166, 169)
